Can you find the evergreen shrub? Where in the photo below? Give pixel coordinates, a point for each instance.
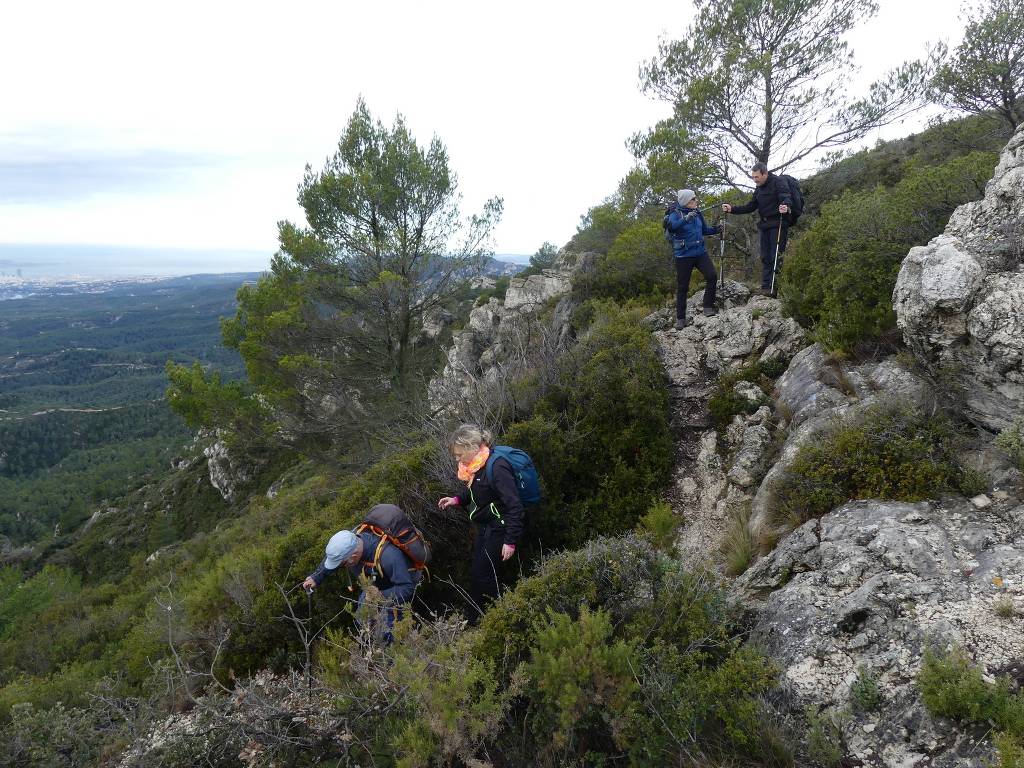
(619, 605)
(889, 453)
(840, 273)
(1011, 440)
(951, 686)
(725, 403)
(600, 434)
(638, 265)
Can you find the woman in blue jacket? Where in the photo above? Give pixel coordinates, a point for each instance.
(688, 229)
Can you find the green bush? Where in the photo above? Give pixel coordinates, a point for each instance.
(889, 453)
(841, 272)
(953, 687)
(1011, 440)
(824, 739)
(600, 433)
(1010, 750)
(638, 265)
(581, 679)
(614, 601)
(55, 737)
(659, 525)
(864, 692)
(725, 403)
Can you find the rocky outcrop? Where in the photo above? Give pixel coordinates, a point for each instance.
(863, 591)
(228, 473)
(716, 475)
(815, 395)
(502, 335)
(959, 300)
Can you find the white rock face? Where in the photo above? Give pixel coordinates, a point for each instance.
(714, 477)
(818, 394)
(868, 587)
(500, 333)
(532, 292)
(226, 473)
(959, 300)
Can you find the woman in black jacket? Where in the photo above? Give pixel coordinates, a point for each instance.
(493, 504)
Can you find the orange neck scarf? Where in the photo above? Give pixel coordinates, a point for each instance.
(467, 471)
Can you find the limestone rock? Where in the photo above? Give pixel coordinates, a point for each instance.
(820, 395)
(715, 478)
(228, 472)
(868, 587)
(959, 300)
(501, 334)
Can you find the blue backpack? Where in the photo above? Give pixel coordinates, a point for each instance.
(527, 481)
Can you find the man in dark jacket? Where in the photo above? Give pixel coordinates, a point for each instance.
(771, 200)
(382, 563)
(685, 223)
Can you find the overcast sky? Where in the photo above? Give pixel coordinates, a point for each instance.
(188, 125)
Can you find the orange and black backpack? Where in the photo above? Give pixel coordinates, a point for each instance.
(392, 526)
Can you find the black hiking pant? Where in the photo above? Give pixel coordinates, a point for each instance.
(769, 236)
(684, 268)
(485, 568)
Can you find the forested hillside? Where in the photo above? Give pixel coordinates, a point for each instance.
(82, 412)
(156, 618)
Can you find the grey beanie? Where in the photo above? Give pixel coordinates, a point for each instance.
(340, 548)
(685, 195)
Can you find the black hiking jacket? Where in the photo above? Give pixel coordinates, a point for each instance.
(766, 201)
(498, 504)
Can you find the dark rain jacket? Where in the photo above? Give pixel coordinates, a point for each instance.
(766, 201)
(394, 575)
(498, 504)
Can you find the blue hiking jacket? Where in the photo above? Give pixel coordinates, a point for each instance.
(394, 577)
(688, 230)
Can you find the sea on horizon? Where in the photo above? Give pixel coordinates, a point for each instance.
(42, 261)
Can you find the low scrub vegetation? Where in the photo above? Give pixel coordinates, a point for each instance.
(840, 273)
(951, 686)
(889, 453)
(725, 402)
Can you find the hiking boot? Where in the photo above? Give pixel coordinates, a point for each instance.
(764, 290)
(682, 322)
(710, 311)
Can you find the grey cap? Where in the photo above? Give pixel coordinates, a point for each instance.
(340, 548)
(685, 195)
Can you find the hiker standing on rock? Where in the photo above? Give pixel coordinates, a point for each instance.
(492, 498)
(772, 200)
(369, 554)
(687, 228)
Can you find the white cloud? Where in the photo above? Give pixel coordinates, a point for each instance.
(533, 99)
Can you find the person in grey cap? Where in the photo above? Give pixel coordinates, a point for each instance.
(385, 565)
(687, 228)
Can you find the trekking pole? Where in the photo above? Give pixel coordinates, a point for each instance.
(721, 248)
(775, 265)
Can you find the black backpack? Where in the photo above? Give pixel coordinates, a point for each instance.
(389, 523)
(797, 196)
(664, 224)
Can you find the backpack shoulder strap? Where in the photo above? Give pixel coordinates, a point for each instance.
(375, 563)
(489, 468)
